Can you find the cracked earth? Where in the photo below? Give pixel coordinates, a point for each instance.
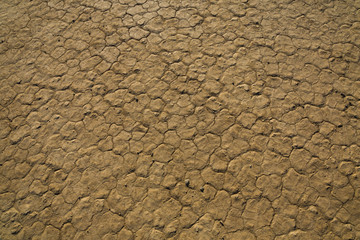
(179, 119)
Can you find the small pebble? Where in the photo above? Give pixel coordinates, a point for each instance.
(187, 182)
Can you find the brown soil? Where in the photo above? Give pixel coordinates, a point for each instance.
(179, 119)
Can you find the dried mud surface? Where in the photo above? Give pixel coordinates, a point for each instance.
(179, 119)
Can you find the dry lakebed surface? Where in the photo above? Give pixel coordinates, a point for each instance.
(179, 119)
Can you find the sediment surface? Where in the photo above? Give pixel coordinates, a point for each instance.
(179, 119)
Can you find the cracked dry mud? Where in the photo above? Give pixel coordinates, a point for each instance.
(179, 119)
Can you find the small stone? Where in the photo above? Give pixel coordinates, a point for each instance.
(187, 182)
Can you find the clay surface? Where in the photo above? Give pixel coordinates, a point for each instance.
(179, 119)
